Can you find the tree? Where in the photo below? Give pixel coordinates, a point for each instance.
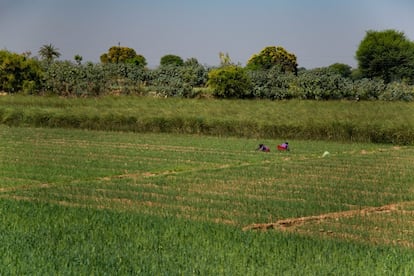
(118, 54)
(388, 55)
(49, 52)
(272, 56)
(171, 60)
(78, 59)
(138, 60)
(342, 69)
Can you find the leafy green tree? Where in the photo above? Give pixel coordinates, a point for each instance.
(273, 56)
(171, 60)
(78, 59)
(342, 69)
(19, 73)
(118, 54)
(388, 55)
(138, 60)
(230, 82)
(49, 53)
(191, 62)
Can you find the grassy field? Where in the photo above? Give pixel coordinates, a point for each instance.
(83, 202)
(379, 121)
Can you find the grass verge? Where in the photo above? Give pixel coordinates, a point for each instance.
(379, 122)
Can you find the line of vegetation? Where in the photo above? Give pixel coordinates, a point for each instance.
(379, 122)
(385, 72)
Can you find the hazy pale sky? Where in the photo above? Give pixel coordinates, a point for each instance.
(318, 32)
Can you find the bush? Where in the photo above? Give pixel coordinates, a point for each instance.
(366, 89)
(168, 81)
(194, 73)
(398, 91)
(126, 78)
(19, 73)
(322, 84)
(230, 82)
(69, 79)
(272, 84)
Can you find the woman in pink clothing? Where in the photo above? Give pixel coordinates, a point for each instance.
(284, 146)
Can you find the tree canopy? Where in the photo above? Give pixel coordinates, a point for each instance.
(173, 60)
(388, 55)
(342, 69)
(273, 56)
(49, 52)
(119, 54)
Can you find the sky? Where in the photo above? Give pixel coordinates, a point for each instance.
(318, 32)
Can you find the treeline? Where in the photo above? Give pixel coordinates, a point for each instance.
(25, 75)
(65, 78)
(385, 72)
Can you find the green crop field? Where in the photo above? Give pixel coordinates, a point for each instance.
(95, 202)
(376, 121)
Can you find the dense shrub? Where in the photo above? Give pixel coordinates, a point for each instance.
(19, 73)
(398, 91)
(61, 78)
(194, 73)
(342, 69)
(316, 84)
(322, 84)
(366, 89)
(125, 78)
(168, 81)
(272, 84)
(66, 78)
(230, 82)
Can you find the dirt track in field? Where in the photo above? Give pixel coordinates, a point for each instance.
(391, 224)
(292, 223)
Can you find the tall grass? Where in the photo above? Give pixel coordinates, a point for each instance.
(380, 122)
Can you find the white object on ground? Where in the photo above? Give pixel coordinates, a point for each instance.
(326, 153)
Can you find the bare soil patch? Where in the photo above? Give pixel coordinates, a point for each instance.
(292, 223)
